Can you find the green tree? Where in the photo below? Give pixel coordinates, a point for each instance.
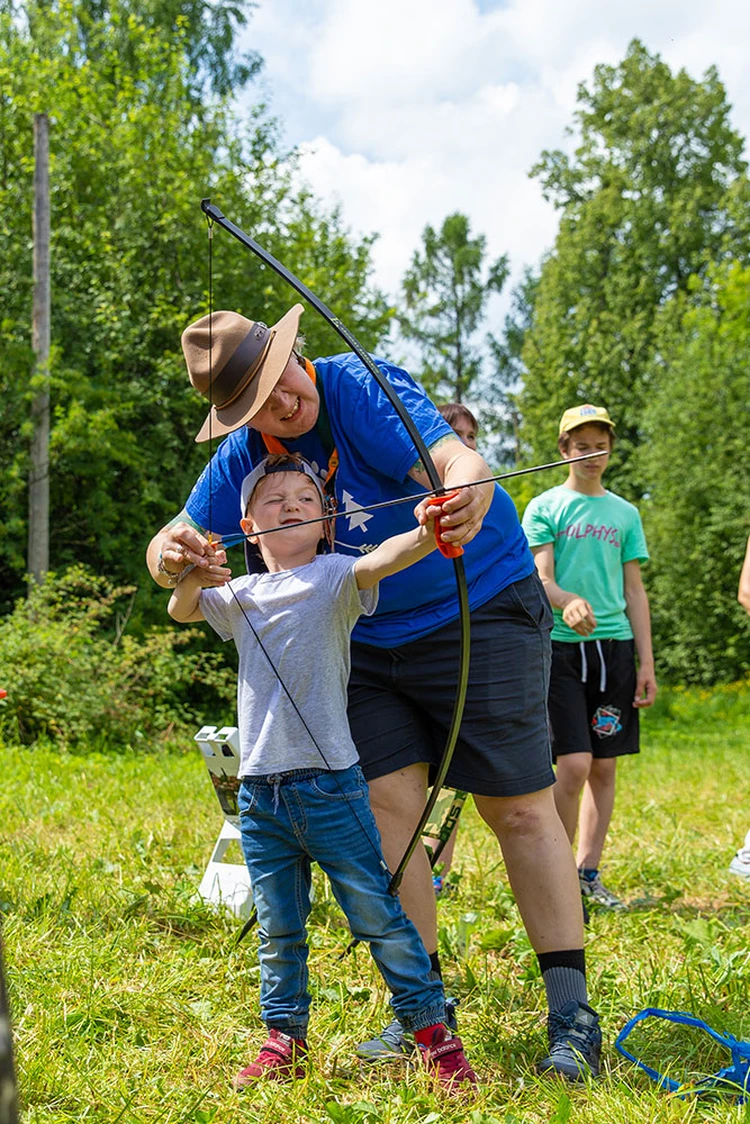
(207, 32)
(653, 194)
(445, 292)
(499, 414)
(132, 154)
(695, 461)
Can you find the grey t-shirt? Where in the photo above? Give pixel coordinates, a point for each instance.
(303, 618)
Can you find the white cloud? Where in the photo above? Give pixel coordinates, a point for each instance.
(392, 50)
(406, 110)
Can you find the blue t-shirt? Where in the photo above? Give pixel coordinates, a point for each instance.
(375, 455)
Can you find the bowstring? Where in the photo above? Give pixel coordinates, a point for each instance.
(422, 450)
(381, 861)
(309, 732)
(210, 223)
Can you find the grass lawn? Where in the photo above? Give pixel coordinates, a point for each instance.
(131, 1002)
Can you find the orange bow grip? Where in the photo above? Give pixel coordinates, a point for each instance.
(447, 549)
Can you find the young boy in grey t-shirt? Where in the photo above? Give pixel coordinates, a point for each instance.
(303, 797)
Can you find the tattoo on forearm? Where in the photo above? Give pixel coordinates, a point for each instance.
(418, 465)
(183, 517)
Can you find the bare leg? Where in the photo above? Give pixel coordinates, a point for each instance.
(596, 811)
(540, 866)
(397, 801)
(572, 773)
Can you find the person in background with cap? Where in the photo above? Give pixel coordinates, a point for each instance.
(588, 545)
(268, 398)
(303, 797)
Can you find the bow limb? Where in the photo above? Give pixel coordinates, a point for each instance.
(214, 214)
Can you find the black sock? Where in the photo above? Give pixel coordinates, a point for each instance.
(564, 975)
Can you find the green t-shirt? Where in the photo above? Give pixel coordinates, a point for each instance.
(593, 536)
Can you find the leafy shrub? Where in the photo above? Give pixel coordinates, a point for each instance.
(697, 425)
(73, 675)
(700, 708)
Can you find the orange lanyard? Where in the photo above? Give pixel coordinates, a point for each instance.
(273, 445)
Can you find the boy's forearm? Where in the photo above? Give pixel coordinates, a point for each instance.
(638, 614)
(559, 598)
(403, 550)
(544, 560)
(640, 620)
(393, 555)
(184, 602)
(577, 613)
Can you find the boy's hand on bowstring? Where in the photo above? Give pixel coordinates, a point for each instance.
(215, 572)
(183, 546)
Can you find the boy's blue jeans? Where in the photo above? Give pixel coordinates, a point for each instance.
(289, 820)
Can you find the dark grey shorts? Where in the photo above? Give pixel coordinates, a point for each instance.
(401, 699)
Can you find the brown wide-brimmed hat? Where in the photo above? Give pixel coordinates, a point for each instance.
(240, 368)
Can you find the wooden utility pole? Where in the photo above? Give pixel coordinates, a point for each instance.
(38, 555)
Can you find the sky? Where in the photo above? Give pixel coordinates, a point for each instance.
(407, 110)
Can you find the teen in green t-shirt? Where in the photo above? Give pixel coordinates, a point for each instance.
(588, 545)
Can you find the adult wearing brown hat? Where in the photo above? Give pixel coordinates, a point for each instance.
(248, 360)
(269, 398)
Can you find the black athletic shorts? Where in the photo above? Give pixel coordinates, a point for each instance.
(401, 699)
(591, 692)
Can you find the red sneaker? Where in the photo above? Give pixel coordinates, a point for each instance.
(443, 1055)
(281, 1058)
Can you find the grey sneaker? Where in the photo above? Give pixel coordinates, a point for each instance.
(394, 1043)
(740, 864)
(594, 892)
(575, 1042)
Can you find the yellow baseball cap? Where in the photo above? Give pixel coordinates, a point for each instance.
(582, 415)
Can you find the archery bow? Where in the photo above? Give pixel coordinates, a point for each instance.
(213, 214)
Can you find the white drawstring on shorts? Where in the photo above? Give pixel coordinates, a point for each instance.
(602, 665)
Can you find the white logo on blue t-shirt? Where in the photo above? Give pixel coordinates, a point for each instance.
(359, 519)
